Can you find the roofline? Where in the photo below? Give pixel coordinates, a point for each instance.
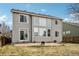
(71, 24)
(34, 14)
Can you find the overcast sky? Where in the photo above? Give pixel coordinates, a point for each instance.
(53, 9)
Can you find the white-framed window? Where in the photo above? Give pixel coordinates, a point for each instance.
(35, 21)
(23, 34)
(42, 21)
(38, 21)
(35, 32)
(42, 31)
(23, 18)
(49, 23)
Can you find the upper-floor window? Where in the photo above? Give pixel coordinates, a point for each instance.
(23, 18)
(35, 21)
(38, 21)
(42, 21)
(56, 33)
(49, 23)
(56, 22)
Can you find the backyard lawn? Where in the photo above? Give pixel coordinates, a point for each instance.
(58, 50)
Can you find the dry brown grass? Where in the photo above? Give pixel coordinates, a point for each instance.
(64, 49)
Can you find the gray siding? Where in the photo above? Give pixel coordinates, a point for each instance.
(54, 28)
(74, 29)
(17, 25)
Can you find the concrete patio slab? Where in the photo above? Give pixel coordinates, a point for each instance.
(37, 44)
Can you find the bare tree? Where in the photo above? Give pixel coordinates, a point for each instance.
(5, 34)
(74, 10)
(5, 29)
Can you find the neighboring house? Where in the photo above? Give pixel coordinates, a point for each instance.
(33, 27)
(70, 29)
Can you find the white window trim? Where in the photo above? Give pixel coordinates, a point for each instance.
(27, 33)
(33, 21)
(42, 19)
(33, 31)
(38, 32)
(47, 23)
(42, 35)
(26, 18)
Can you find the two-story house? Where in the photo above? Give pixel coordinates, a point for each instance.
(34, 27)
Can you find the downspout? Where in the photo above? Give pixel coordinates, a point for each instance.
(31, 28)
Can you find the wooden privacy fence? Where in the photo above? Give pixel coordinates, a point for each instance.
(71, 39)
(4, 41)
